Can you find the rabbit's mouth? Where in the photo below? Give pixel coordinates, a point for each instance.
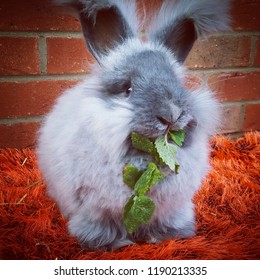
(161, 123)
(152, 132)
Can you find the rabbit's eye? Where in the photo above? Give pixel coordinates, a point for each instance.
(128, 91)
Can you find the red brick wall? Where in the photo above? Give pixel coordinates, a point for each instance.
(42, 52)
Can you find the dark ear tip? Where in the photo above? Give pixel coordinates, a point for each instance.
(180, 38)
(104, 27)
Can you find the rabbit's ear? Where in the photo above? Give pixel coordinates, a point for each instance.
(179, 23)
(179, 38)
(104, 29)
(105, 24)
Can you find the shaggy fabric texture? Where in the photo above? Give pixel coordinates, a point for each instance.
(227, 211)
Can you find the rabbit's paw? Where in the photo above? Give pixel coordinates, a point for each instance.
(96, 234)
(115, 245)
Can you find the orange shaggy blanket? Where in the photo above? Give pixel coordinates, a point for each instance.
(227, 211)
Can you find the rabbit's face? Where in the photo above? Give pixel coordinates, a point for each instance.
(148, 82)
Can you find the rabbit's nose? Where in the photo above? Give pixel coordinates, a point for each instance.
(169, 117)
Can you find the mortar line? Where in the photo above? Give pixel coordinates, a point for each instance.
(236, 33)
(220, 70)
(233, 135)
(241, 102)
(242, 116)
(73, 34)
(47, 77)
(16, 120)
(42, 54)
(77, 33)
(252, 50)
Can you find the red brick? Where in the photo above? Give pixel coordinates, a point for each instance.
(35, 15)
(236, 86)
(257, 53)
(245, 15)
(252, 117)
(192, 81)
(18, 135)
(35, 98)
(231, 118)
(220, 52)
(67, 55)
(19, 56)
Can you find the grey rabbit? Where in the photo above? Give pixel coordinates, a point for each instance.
(134, 86)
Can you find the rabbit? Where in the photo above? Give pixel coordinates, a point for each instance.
(135, 85)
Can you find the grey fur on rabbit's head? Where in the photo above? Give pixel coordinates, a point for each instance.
(134, 86)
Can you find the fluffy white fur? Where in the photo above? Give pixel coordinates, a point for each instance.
(82, 150)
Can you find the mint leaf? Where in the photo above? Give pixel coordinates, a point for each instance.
(166, 151)
(151, 176)
(177, 136)
(130, 175)
(143, 144)
(177, 167)
(137, 211)
(143, 209)
(129, 204)
(130, 222)
(157, 174)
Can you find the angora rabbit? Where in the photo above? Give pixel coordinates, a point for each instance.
(135, 86)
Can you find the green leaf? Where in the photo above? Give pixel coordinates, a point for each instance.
(129, 204)
(157, 175)
(130, 222)
(143, 144)
(137, 211)
(143, 209)
(151, 176)
(177, 136)
(130, 175)
(177, 167)
(166, 151)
